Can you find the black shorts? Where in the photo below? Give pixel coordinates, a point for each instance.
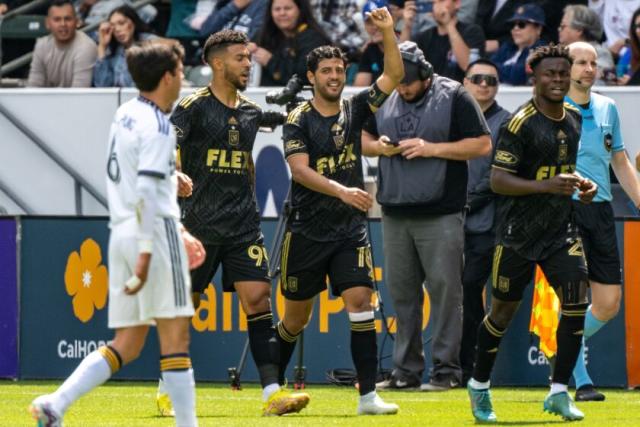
(306, 264)
(512, 273)
(242, 262)
(598, 231)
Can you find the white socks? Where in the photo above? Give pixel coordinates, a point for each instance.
(269, 390)
(182, 389)
(90, 373)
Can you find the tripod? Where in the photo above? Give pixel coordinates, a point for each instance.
(275, 250)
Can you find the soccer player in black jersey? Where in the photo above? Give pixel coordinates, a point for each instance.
(326, 230)
(534, 170)
(216, 128)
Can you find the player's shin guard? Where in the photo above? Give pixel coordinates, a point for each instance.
(264, 346)
(94, 370)
(489, 337)
(364, 350)
(287, 343)
(178, 380)
(569, 337)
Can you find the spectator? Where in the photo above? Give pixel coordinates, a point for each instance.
(616, 16)
(94, 11)
(422, 182)
(579, 23)
(289, 33)
(123, 29)
(481, 81)
(634, 41)
(64, 58)
(338, 20)
(526, 27)
(451, 45)
(246, 16)
(372, 60)
(424, 14)
(185, 19)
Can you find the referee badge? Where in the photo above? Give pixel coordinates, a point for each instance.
(608, 142)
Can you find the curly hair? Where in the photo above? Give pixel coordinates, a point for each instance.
(221, 40)
(324, 52)
(549, 51)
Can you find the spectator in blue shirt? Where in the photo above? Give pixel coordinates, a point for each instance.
(123, 28)
(526, 26)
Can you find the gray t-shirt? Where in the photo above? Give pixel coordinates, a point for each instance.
(70, 65)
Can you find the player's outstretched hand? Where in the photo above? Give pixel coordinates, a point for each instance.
(137, 281)
(587, 190)
(357, 198)
(185, 185)
(195, 250)
(564, 184)
(381, 18)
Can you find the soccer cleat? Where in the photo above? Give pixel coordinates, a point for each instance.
(588, 393)
(283, 402)
(165, 407)
(43, 413)
(372, 404)
(562, 404)
(481, 406)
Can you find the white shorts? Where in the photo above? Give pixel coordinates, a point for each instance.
(167, 292)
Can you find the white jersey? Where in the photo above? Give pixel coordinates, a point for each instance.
(141, 142)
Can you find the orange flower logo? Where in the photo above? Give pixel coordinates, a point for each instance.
(86, 280)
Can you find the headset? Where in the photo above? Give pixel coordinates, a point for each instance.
(410, 52)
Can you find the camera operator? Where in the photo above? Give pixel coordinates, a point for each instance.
(326, 231)
(422, 186)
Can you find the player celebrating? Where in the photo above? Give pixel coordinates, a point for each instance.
(217, 128)
(327, 226)
(144, 245)
(534, 170)
(600, 146)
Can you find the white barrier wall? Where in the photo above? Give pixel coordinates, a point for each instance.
(74, 123)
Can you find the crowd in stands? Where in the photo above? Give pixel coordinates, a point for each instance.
(451, 33)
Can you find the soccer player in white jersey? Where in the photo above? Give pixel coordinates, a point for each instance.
(145, 244)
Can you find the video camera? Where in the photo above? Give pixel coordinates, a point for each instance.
(288, 95)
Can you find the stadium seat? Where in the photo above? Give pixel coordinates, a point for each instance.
(24, 27)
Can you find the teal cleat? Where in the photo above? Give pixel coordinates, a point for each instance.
(562, 404)
(481, 406)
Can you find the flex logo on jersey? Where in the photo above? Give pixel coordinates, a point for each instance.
(547, 172)
(234, 134)
(227, 159)
(86, 280)
(330, 164)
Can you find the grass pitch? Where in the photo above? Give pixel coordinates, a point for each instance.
(133, 404)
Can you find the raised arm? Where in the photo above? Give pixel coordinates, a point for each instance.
(393, 68)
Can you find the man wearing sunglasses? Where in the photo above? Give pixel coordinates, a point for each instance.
(481, 81)
(526, 26)
(424, 137)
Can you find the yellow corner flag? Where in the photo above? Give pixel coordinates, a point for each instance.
(545, 310)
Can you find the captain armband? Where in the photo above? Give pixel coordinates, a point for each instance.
(376, 97)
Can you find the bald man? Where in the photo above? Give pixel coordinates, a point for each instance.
(600, 146)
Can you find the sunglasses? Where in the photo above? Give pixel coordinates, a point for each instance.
(490, 80)
(519, 24)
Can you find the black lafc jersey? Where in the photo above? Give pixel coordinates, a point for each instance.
(534, 146)
(334, 147)
(216, 144)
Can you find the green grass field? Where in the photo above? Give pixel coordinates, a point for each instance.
(133, 404)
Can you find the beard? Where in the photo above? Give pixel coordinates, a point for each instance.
(234, 80)
(322, 91)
